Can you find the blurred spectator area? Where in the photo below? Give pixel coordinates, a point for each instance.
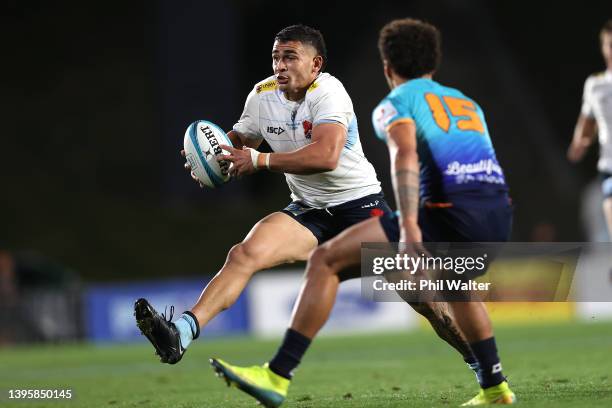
(40, 300)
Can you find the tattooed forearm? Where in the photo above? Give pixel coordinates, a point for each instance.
(407, 191)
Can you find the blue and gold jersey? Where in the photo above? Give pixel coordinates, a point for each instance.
(455, 151)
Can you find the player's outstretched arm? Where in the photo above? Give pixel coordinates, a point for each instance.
(584, 135)
(405, 177)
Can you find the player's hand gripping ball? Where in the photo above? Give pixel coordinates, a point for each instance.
(202, 144)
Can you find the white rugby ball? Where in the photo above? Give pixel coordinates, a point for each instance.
(202, 143)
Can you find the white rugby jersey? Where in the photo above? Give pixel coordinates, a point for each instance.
(597, 103)
(287, 126)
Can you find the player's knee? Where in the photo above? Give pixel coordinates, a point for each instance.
(244, 254)
(320, 255)
(320, 261)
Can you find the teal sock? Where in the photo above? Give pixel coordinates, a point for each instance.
(188, 328)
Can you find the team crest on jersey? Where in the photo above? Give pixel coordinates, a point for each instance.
(267, 86)
(307, 129)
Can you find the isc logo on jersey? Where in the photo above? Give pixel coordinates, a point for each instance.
(202, 144)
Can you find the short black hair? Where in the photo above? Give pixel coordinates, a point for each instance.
(411, 47)
(305, 35)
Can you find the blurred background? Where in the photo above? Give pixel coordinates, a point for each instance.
(96, 97)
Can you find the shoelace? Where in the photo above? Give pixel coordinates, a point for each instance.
(169, 319)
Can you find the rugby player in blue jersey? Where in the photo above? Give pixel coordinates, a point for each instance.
(449, 187)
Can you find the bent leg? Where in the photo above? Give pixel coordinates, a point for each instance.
(343, 253)
(274, 240)
(474, 321)
(320, 286)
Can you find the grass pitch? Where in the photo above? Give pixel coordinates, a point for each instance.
(567, 365)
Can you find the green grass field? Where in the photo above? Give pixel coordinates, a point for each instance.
(548, 366)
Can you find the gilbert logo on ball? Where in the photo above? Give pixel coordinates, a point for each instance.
(202, 145)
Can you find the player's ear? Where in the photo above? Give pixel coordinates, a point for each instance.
(318, 64)
(386, 69)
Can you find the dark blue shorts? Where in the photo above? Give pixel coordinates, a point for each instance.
(327, 223)
(467, 218)
(606, 184)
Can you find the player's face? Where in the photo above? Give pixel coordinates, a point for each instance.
(606, 48)
(295, 65)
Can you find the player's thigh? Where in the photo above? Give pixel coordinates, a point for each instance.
(343, 253)
(278, 239)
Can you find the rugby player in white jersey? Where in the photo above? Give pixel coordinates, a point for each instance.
(307, 118)
(596, 118)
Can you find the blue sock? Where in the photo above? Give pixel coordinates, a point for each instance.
(188, 328)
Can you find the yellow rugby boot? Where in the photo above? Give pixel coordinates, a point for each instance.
(259, 382)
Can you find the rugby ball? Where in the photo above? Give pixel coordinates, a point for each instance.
(202, 143)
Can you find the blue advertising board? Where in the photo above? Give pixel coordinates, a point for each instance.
(109, 308)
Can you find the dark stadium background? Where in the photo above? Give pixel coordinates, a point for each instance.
(96, 97)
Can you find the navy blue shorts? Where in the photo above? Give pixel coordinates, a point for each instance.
(606, 184)
(467, 218)
(327, 223)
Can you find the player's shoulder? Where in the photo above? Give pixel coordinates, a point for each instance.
(597, 75)
(595, 79)
(324, 84)
(441, 89)
(404, 95)
(396, 105)
(413, 88)
(267, 85)
(449, 91)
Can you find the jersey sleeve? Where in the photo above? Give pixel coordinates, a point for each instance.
(587, 106)
(387, 114)
(248, 124)
(331, 104)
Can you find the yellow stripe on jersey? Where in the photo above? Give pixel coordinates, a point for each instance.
(313, 86)
(267, 86)
(598, 74)
(398, 122)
